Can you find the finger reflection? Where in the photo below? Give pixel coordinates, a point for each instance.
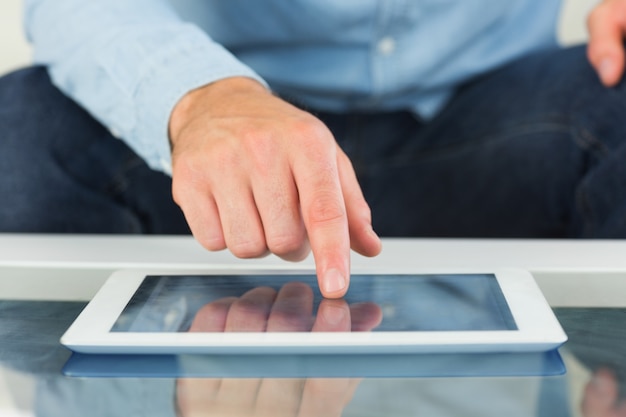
(276, 397)
(333, 316)
(290, 309)
(293, 309)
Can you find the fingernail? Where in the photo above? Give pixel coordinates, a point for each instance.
(606, 69)
(334, 281)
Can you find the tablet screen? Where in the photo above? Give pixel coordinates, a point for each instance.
(427, 302)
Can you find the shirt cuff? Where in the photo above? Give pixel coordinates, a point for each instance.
(182, 65)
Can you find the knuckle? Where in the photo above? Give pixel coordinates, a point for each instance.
(313, 134)
(309, 125)
(212, 243)
(204, 228)
(283, 245)
(326, 208)
(248, 249)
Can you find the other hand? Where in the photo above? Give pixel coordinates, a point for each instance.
(607, 26)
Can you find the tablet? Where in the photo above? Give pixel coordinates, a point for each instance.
(282, 312)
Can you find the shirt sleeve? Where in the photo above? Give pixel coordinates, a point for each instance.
(127, 63)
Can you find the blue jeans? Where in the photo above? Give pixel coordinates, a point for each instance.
(536, 148)
(62, 172)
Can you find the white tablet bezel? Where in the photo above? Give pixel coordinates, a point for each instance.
(538, 328)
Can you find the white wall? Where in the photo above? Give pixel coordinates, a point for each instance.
(15, 52)
(572, 28)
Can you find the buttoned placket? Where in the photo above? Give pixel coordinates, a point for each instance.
(392, 20)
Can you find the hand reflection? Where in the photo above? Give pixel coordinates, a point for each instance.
(266, 310)
(601, 396)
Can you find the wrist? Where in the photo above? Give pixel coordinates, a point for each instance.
(203, 97)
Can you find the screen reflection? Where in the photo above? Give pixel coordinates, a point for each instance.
(428, 302)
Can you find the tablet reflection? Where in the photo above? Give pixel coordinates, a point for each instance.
(30, 331)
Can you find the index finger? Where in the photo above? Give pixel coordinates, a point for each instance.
(324, 214)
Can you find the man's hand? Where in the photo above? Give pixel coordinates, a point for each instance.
(254, 174)
(607, 27)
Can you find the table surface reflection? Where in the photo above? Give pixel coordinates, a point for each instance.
(32, 383)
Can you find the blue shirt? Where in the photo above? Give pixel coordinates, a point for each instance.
(129, 61)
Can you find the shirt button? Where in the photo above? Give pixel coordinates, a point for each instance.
(115, 133)
(386, 45)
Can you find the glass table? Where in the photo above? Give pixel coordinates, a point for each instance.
(45, 281)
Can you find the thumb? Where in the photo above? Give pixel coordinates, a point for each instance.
(607, 25)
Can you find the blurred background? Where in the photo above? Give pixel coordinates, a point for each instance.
(15, 52)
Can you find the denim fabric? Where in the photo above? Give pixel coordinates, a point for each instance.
(63, 172)
(533, 149)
